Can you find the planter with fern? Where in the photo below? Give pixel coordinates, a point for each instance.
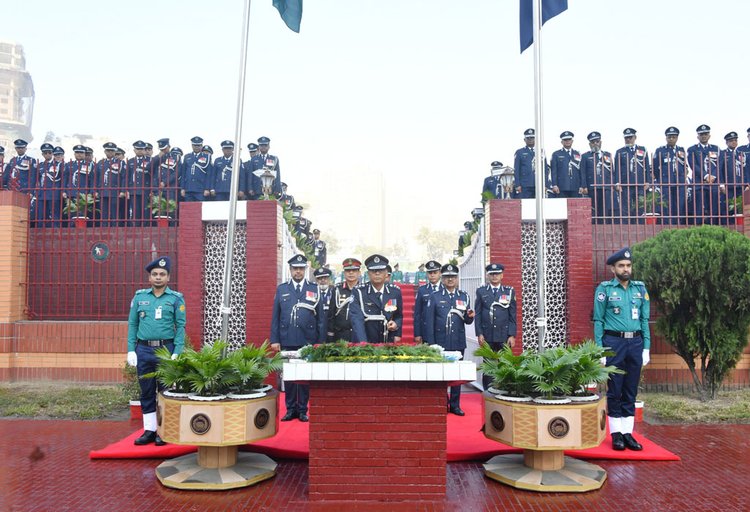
(218, 426)
(81, 209)
(544, 430)
(162, 209)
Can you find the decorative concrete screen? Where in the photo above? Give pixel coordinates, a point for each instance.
(557, 290)
(215, 239)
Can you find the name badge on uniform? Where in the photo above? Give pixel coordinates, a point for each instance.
(144, 302)
(157, 313)
(634, 313)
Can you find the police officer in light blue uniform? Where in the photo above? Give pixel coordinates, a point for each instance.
(566, 178)
(139, 182)
(196, 168)
(377, 308)
(157, 319)
(732, 174)
(49, 193)
(222, 173)
(265, 160)
(703, 161)
(622, 309)
(633, 171)
(448, 312)
(523, 167)
(670, 172)
(597, 168)
(432, 285)
(495, 310)
(294, 324)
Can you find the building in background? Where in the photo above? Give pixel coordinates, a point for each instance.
(16, 95)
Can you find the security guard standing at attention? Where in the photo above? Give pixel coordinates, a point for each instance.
(339, 323)
(495, 310)
(377, 309)
(294, 324)
(448, 311)
(621, 313)
(157, 319)
(423, 296)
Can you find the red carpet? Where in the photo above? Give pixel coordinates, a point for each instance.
(465, 442)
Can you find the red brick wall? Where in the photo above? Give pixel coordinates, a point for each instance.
(190, 265)
(377, 441)
(504, 237)
(579, 264)
(263, 265)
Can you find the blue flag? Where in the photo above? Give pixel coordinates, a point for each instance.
(291, 12)
(550, 9)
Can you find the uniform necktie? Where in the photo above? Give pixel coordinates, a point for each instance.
(299, 288)
(494, 293)
(380, 296)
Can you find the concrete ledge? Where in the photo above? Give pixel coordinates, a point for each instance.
(459, 371)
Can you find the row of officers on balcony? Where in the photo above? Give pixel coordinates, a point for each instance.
(126, 184)
(306, 313)
(703, 180)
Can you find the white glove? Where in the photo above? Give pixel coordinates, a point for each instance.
(174, 356)
(132, 359)
(646, 356)
(603, 361)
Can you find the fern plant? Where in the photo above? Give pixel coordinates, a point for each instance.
(587, 368)
(505, 368)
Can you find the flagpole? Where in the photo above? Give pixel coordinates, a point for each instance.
(226, 309)
(539, 169)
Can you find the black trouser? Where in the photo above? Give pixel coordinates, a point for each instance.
(454, 399)
(622, 389)
(147, 362)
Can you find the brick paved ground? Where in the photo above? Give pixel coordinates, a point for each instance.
(44, 466)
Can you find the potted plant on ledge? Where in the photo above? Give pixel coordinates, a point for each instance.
(80, 208)
(651, 204)
(161, 208)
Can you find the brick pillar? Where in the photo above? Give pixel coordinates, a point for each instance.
(190, 268)
(580, 266)
(377, 442)
(264, 230)
(503, 233)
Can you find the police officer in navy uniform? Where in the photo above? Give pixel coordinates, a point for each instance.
(377, 308)
(322, 277)
(112, 176)
(81, 178)
(703, 161)
(319, 248)
(139, 181)
(196, 167)
(732, 173)
(448, 311)
(251, 184)
(286, 198)
(633, 170)
(424, 291)
(566, 169)
(157, 319)
(523, 167)
(671, 173)
(596, 167)
(49, 192)
(21, 173)
(294, 324)
(222, 173)
(622, 309)
(495, 309)
(492, 187)
(339, 322)
(262, 161)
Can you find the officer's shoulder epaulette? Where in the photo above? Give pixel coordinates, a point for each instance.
(143, 290)
(606, 283)
(175, 292)
(638, 283)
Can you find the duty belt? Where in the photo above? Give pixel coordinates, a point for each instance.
(155, 343)
(625, 334)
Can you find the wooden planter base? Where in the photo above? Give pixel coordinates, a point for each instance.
(546, 471)
(216, 468)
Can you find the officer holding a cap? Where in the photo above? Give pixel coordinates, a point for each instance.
(448, 311)
(157, 319)
(423, 296)
(294, 324)
(621, 312)
(377, 308)
(495, 309)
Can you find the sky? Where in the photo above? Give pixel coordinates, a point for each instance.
(424, 94)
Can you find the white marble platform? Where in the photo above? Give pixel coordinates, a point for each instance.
(459, 371)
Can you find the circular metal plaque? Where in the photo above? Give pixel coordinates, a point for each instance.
(261, 418)
(200, 424)
(558, 427)
(498, 423)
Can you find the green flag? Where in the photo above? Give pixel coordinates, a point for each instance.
(291, 12)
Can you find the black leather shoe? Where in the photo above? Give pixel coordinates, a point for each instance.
(631, 443)
(159, 441)
(148, 437)
(289, 416)
(457, 411)
(304, 418)
(618, 443)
